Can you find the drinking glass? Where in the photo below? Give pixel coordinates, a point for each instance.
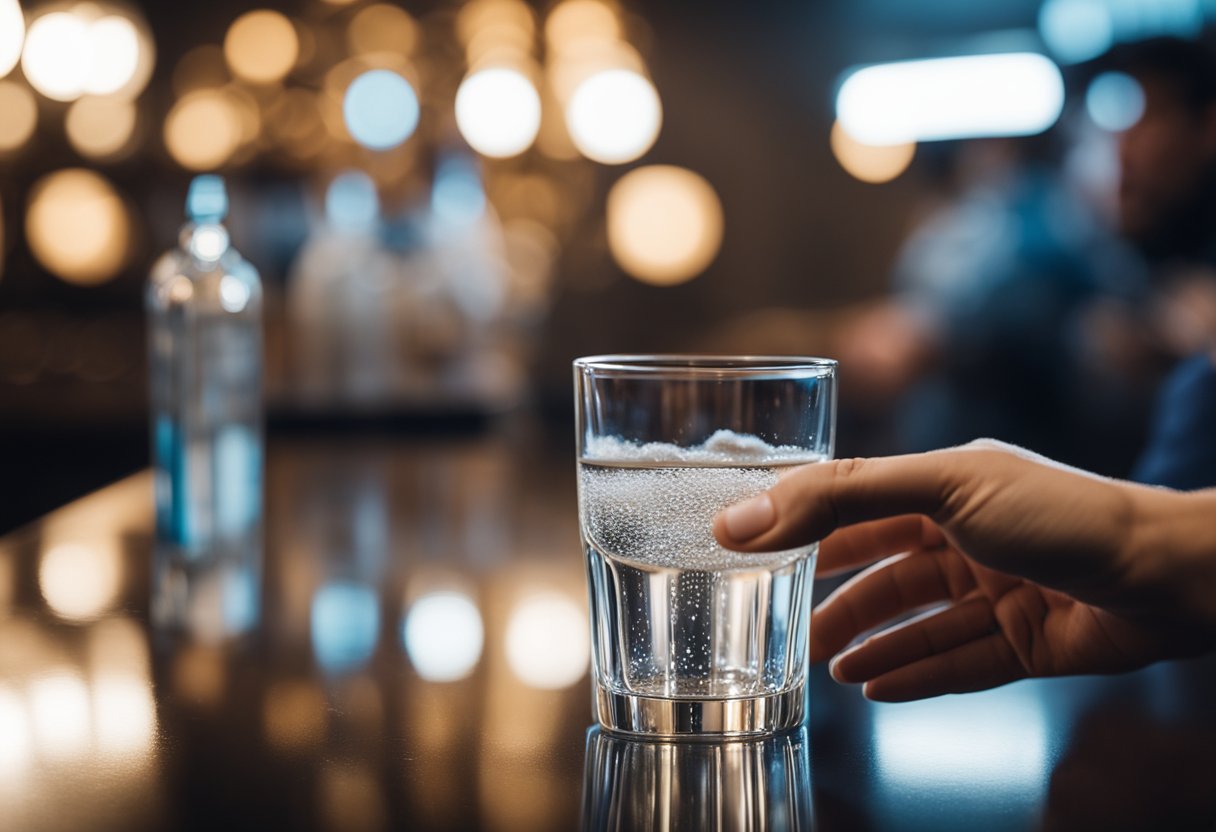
(690, 638)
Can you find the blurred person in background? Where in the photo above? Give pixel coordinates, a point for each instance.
(1167, 208)
(1020, 316)
(979, 339)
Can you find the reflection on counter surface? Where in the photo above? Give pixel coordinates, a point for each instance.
(422, 660)
(750, 785)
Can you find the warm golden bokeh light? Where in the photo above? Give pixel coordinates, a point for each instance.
(203, 67)
(87, 51)
(100, 128)
(382, 28)
(664, 224)
(546, 641)
(18, 115)
(203, 130)
(78, 228)
(12, 35)
(261, 46)
(294, 716)
(614, 116)
(123, 709)
(498, 112)
(114, 55)
(574, 22)
(199, 675)
(56, 56)
(479, 15)
(568, 71)
(127, 45)
(350, 798)
(80, 582)
(870, 163)
(17, 750)
(61, 716)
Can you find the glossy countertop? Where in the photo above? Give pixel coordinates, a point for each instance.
(417, 658)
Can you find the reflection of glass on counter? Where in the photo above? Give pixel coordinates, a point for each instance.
(710, 786)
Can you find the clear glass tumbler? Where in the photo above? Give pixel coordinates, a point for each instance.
(690, 638)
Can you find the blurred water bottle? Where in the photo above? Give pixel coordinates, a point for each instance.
(204, 307)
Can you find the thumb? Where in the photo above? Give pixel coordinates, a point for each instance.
(814, 500)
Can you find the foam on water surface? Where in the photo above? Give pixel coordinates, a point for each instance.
(724, 448)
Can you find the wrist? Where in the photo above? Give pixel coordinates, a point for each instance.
(1171, 560)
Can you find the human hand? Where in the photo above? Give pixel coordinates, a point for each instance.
(1044, 570)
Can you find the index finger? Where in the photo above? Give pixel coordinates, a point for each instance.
(864, 543)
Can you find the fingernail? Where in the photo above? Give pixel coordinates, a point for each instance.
(745, 520)
(832, 669)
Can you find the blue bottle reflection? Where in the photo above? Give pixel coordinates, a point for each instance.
(757, 784)
(345, 625)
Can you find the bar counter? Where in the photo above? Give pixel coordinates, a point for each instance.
(418, 658)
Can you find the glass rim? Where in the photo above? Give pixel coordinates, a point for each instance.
(688, 364)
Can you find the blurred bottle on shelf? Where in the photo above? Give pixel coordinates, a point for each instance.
(204, 305)
(414, 312)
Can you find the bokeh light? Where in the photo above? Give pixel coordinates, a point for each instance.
(19, 115)
(351, 202)
(614, 116)
(972, 96)
(498, 112)
(125, 716)
(870, 163)
(1076, 30)
(574, 22)
(16, 752)
(382, 28)
(380, 109)
(80, 582)
(509, 20)
(114, 55)
(458, 197)
(261, 46)
(77, 226)
(123, 709)
(345, 625)
(547, 643)
(664, 224)
(12, 35)
(61, 715)
(100, 128)
(83, 51)
(1114, 101)
(443, 636)
(56, 56)
(294, 715)
(203, 130)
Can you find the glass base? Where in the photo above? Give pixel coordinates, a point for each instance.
(709, 718)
